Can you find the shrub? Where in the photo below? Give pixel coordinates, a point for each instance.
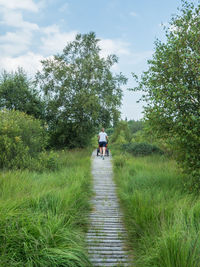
(44, 161)
(135, 126)
(21, 138)
(141, 149)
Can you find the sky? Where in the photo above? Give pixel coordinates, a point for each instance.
(32, 30)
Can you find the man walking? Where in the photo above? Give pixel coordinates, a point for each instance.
(103, 139)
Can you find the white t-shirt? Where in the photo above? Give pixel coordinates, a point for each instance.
(102, 137)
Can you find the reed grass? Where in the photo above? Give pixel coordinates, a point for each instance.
(43, 216)
(162, 220)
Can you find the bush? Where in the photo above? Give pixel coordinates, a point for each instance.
(141, 149)
(44, 161)
(21, 138)
(135, 126)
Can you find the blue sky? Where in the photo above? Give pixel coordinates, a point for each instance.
(31, 30)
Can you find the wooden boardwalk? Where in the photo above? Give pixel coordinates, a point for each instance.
(106, 234)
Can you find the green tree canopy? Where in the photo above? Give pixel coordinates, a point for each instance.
(171, 87)
(17, 92)
(135, 126)
(121, 133)
(80, 90)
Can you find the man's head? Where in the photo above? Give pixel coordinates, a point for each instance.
(102, 129)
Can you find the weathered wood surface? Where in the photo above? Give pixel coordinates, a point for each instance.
(106, 235)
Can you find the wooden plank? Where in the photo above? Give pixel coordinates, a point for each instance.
(106, 235)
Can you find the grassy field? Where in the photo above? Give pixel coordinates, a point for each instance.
(163, 221)
(43, 216)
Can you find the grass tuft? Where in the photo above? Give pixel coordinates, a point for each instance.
(162, 220)
(43, 216)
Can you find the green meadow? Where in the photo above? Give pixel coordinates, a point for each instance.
(162, 219)
(43, 216)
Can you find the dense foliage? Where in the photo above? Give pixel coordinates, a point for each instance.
(135, 126)
(162, 221)
(121, 133)
(17, 92)
(22, 137)
(141, 149)
(172, 88)
(80, 91)
(43, 217)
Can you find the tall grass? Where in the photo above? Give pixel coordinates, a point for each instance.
(162, 220)
(43, 216)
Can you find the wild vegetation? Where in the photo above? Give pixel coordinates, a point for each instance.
(171, 89)
(74, 93)
(43, 216)
(18, 92)
(80, 92)
(44, 195)
(22, 137)
(141, 149)
(161, 213)
(161, 218)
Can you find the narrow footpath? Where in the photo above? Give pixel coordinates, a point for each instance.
(106, 234)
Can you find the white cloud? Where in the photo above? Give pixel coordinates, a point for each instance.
(117, 47)
(52, 29)
(30, 62)
(19, 4)
(19, 40)
(15, 19)
(128, 58)
(14, 43)
(54, 40)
